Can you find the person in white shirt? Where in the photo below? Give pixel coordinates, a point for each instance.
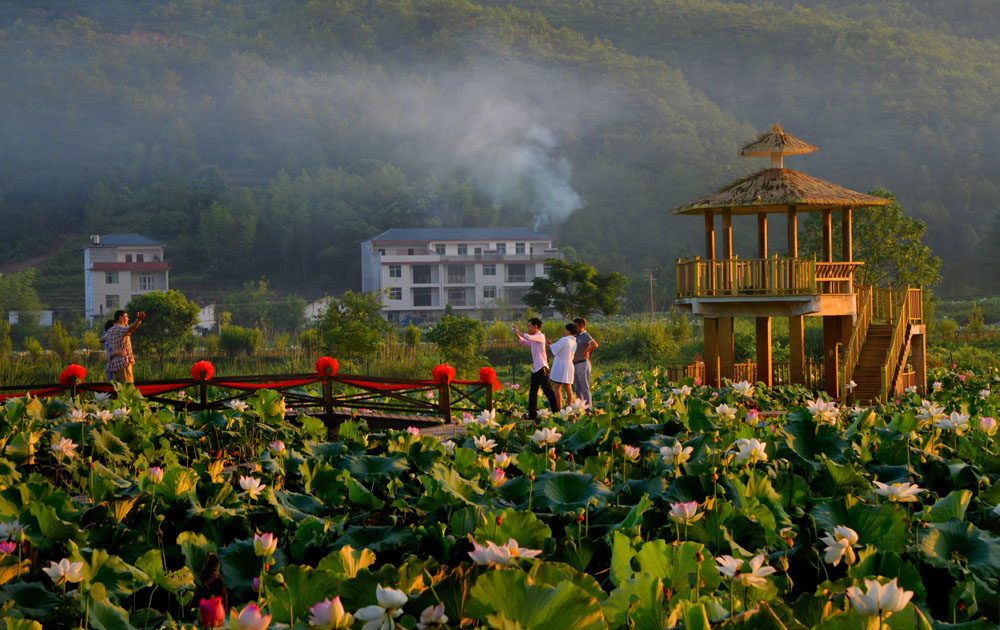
(562, 364)
(535, 339)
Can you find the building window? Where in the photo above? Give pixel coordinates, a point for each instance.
(515, 273)
(128, 257)
(393, 317)
(463, 249)
(456, 274)
(422, 297)
(146, 282)
(112, 301)
(489, 293)
(456, 297)
(440, 249)
(515, 297)
(395, 271)
(110, 277)
(138, 258)
(381, 252)
(489, 269)
(421, 274)
(395, 293)
(502, 248)
(409, 252)
(519, 248)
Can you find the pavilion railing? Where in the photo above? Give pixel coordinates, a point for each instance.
(762, 277)
(852, 351)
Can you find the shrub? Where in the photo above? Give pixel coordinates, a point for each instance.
(234, 340)
(34, 347)
(458, 339)
(411, 335)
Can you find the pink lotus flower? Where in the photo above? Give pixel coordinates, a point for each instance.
(8, 547)
(211, 613)
(686, 513)
(248, 619)
(155, 474)
(752, 415)
(631, 452)
(264, 544)
(329, 614)
(697, 382)
(498, 477)
(413, 430)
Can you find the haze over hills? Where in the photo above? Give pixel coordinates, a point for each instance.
(269, 138)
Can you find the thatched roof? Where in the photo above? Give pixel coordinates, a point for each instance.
(774, 190)
(776, 141)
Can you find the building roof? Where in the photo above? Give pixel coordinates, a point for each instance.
(459, 234)
(774, 190)
(120, 240)
(775, 140)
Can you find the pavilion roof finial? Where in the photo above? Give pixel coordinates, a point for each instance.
(776, 144)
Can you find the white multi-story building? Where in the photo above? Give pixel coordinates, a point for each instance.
(475, 270)
(118, 267)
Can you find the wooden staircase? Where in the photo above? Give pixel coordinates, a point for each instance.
(868, 373)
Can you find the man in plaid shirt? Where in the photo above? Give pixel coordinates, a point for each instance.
(119, 340)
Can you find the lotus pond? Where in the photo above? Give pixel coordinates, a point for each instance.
(670, 506)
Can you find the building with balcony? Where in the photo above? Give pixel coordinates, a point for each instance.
(117, 267)
(873, 337)
(477, 271)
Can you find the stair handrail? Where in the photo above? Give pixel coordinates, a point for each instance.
(891, 364)
(852, 351)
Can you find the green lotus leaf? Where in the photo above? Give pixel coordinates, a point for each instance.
(871, 562)
(553, 573)
(950, 507)
(522, 526)
(45, 520)
(568, 491)
(32, 598)
(622, 553)
(111, 446)
(347, 561)
(362, 496)
(634, 516)
(535, 606)
(378, 539)
(956, 546)
(9, 474)
(240, 565)
(884, 526)
(195, 548)
(183, 431)
(119, 578)
(292, 505)
(517, 491)
(638, 599)
(369, 468)
(531, 462)
(845, 476)
(178, 483)
(269, 405)
(454, 484)
(694, 615)
(21, 624)
(23, 447)
(303, 587)
(105, 615)
(678, 566)
(583, 434)
(809, 440)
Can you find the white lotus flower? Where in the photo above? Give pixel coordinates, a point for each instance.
(676, 455)
(728, 566)
(250, 618)
(725, 412)
(383, 615)
(901, 492)
(487, 417)
(744, 389)
(545, 436)
(544, 414)
(432, 617)
(910, 390)
(686, 513)
(749, 451)
(484, 444)
(517, 551)
(104, 416)
(64, 448)
(930, 412)
(733, 569)
(823, 410)
(12, 530)
(102, 397)
(503, 460)
(77, 415)
(937, 386)
(490, 554)
(839, 545)
(264, 544)
(988, 425)
(121, 412)
(64, 571)
(449, 447)
(957, 422)
(682, 391)
(579, 405)
(850, 386)
(329, 615)
(252, 486)
(237, 405)
(638, 403)
(879, 599)
(984, 393)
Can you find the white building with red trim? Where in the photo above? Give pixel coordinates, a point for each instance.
(118, 267)
(420, 271)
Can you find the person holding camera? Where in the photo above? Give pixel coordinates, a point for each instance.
(535, 340)
(119, 340)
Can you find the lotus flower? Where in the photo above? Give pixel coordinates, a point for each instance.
(211, 613)
(901, 492)
(676, 455)
(733, 569)
(8, 547)
(104, 416)
(237, 405)
(686, 513)
(850, 386)
(329, 614)
(937, 386)
(382, 616)
(517, 551)
(64, 448)
(929, 412)
(264, 544)
(500, 555)
(65, 571)
(248, 619)
(544, 414)
(121, 412)
(728, 566)
(823, 411)
(497, 477)
(449, 447)
(432, 617)
(984, 393)
(487, 417)
(681, 391)
(484, 444)
(910, 390)
(277, 448)
(725, 412)
(77, 415)
(102, 397)
(631, 452)
(752, 415)
(467, 418)
(879, 599)
(839, 545)
(545, 436)
(638, 403)
(12, 530)
(744, 389)
(503, 460)
(579, 405)
(749, 451)
(957, 422)
(988, 425)
(252, 486)
(413, 430)
(155, 474)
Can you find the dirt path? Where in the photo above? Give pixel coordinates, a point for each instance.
(32, 262)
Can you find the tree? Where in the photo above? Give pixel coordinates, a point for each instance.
(234, 340)
(887, 241)
(458, 338)
(59, 340)
(169, 317)
(257, 305)
(575, 289)
(353, 325)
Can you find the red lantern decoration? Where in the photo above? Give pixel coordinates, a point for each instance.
(202, 370)
(489, 375)
(325, 366)
(443, 373)
(72, 374)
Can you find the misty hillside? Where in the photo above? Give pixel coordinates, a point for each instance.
(269, 138)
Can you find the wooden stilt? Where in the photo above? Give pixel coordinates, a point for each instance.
(712, 351)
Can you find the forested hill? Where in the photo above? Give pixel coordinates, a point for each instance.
(268, 138)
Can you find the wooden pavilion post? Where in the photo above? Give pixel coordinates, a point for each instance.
(711, 324)
(796, 334)
(763, 324)
(727, 337)
(832, 333)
